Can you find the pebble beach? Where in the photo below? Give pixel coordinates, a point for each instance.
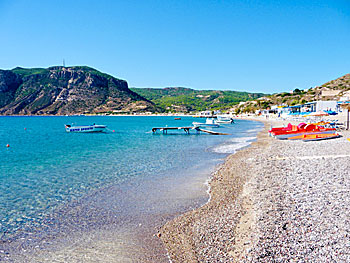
(276, 201)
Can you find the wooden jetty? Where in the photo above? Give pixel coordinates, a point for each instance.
(186, 130)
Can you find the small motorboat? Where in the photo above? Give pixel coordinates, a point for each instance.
(177, 119)
(224, 120)
(210, 122)
(86, 128)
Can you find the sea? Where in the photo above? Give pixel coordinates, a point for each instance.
(101, 197)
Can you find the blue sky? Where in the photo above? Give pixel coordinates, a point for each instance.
(255, 46)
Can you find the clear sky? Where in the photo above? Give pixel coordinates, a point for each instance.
(247, 45)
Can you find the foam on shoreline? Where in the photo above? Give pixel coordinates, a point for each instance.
(233, 145)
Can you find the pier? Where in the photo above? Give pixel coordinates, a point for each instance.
(186, 130)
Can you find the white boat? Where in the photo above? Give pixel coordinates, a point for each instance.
(86, 128)
(210, 122)
(224, 120)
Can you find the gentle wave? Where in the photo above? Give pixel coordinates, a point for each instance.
(233, 145)
(253, 130)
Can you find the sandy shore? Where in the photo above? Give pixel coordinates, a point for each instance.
(276, 201)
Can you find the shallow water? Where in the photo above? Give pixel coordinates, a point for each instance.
(63, 190)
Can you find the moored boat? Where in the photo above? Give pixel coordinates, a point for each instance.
(224, 120)
(210, 122)
(85, 128)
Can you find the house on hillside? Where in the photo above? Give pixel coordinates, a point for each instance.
(345, 97)
(272, 110)
(320, 105)
(206, 113)
(326, 92)
(307, 108)
(275, 109)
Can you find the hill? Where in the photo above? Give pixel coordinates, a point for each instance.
(178, 99)
(338, 89)
(66, 90)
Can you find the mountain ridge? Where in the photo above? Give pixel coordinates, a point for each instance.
(174, 99)
(61, 90)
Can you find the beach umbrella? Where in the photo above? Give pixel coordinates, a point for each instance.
(318, 113)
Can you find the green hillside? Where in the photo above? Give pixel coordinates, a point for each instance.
(180, 99)
(337, 89)
(61, 90)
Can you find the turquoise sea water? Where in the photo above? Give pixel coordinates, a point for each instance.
(45, 168)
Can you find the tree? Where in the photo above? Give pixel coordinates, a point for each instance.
(297, 91)
(294, 102)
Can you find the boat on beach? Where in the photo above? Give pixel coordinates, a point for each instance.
(315, 137)
(283, 133)
(209, 122)
(86, 128)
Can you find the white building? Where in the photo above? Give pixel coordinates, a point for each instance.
(329, 105)
(206, 113)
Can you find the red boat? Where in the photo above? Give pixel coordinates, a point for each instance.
(289, 127)
(284, 133)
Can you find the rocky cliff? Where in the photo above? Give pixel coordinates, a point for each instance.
(66, 90)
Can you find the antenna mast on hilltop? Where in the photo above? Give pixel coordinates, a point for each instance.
(64, 63)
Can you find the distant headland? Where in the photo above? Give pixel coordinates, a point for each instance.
(66, 90)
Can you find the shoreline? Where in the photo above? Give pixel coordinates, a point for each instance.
(273, 201)
(177, 234)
